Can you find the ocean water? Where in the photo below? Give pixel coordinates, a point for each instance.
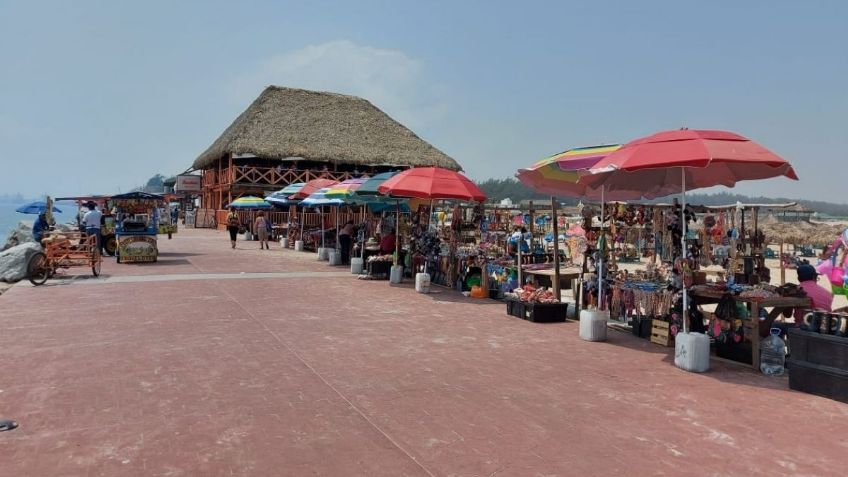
(9, 218)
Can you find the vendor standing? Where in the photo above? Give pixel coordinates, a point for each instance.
(387, 243)
(91, 221)
(344, 241)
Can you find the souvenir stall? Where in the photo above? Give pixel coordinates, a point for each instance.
(136, 226)
(434, 184)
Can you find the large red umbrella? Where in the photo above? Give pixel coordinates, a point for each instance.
(657, 164)
(432, 183)
(672, 161)
(312, 187)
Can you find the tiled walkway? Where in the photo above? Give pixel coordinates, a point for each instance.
(246, 362)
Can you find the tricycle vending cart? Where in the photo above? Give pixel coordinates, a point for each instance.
(63, 250)
(136, 227)
(107, 220)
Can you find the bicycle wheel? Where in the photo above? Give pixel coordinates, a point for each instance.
(96, 261)
(38, 269)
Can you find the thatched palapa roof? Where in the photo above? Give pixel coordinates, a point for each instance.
(287, 123)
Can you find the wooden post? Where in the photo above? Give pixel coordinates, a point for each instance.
(557, 292)
(782, 265)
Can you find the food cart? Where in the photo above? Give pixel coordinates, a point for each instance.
(136, 227)
(107, 221)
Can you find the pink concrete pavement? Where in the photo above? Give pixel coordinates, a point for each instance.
(333, 376)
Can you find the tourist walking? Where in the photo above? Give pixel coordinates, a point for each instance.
(233, 225)
(344, 241)
(91, 221)
(262, 228)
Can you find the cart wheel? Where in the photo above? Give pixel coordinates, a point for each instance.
(38, 270)
(111, 245)
(96, 261)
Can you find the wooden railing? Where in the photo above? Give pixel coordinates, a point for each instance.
(309, 219)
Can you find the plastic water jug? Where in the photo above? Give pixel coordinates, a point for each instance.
(422, 282)
(357, 265)
(593, 325)
(772, 354)
(692, 352)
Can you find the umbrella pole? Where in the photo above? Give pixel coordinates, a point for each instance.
(601, 256)
(397, 233)
(557, 292)
(683, 251)
(302, 218)
(322, 226)
(337, 227)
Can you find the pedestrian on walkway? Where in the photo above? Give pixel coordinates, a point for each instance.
(91, 220)
(233, 225)
(262, 227)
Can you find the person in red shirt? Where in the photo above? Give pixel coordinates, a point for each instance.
(387, 243)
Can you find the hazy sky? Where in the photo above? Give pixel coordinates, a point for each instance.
(96, 97)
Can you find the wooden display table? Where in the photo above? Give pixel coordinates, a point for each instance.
(778, 305)
(566, 276)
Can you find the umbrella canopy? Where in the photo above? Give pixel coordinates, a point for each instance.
(651, 166)
(35, 208)
(280, 200)
(290, 189)
(558, 175)
(249, 202)
(311, 187)
(370, 186)
(319, 199)
(344, 190)
(432, 183)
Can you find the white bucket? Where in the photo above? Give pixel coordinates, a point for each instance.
(298, 245)
(692, 352)
(323, 253)
(593, 325)
(284, 242)
(396, 274)
(335, 257)
(422, 282)
(357, 265)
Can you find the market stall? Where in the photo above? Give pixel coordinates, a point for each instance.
(137, 225)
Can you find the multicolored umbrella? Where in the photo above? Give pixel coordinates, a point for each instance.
(290, 189)
(559, 175)
(344, 190)
(249, 202)
(369, 188)
(432, 183)
(311, 187)
(320, 199)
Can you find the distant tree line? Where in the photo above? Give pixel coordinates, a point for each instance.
(499, 189)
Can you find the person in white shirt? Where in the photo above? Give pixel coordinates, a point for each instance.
(91, 221)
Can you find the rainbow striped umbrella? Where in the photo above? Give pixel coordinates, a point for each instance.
(249, 202)
(559, 175)
(290, 189)
(320, 199)
(344, 190)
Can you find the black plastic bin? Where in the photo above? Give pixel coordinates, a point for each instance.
(820, 380)
(739, 352)
(641, 327)
(817, 348)
(546, 312)
(514, 308)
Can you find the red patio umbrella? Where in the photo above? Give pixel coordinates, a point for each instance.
(706, 158)
(432, 183)
(672, 161)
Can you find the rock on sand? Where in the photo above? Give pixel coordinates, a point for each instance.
(13, 262)
(20, 234)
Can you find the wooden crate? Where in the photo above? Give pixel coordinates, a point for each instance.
(660, 333)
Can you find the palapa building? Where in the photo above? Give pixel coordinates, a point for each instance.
(290, 135)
